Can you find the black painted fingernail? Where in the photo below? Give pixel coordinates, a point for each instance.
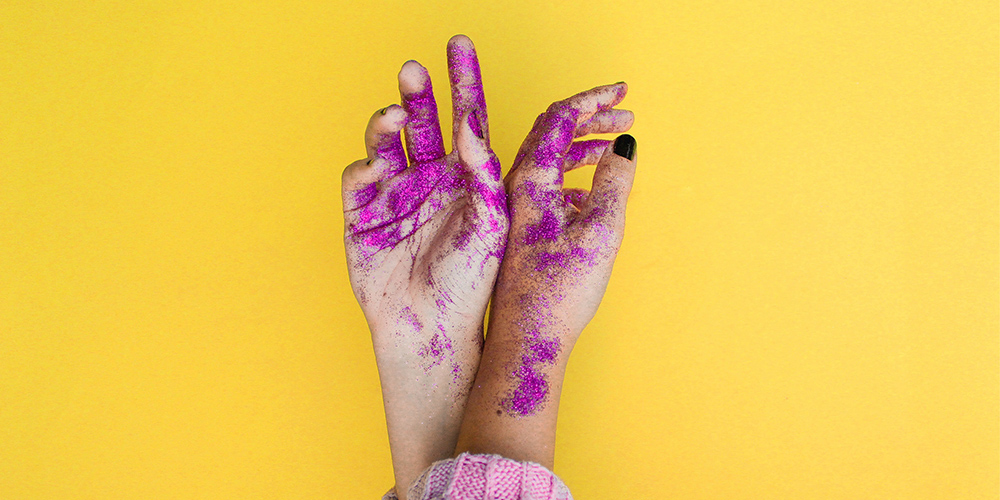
(625, 146)
(369, 162)
(384, 110)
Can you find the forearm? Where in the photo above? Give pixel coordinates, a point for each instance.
(425, 386)
(514, 404)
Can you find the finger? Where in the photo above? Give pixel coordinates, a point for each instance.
(584, 153)
(382, 136)
(359, 182)
(576, 197)
(466, 87)
(423, 130)
(605, 207)
(611, 121)
(597, 99)
(553, 136)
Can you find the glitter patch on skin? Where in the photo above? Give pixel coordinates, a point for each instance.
(436, 348)
(465, 59)
(411, 319)
(532, 383)
(423, 134)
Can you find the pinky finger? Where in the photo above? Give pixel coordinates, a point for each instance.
(382, 135)
(358, 183)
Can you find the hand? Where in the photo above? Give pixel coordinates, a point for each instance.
(424, 240)
(563, 242)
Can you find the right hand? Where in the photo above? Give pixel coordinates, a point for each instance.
(563, 242)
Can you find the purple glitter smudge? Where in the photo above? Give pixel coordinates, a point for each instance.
(560, 121)
(408, 316)
(586, 256)
(546, 259)
(390, 148)
(530, 392)
(423, 131)
(403, 194)
(436, 348)
(548, 229)
(493, 195)
(379, 222)
(365, 195)
(539, 195)
(542, 350)
(461, 240)
(576, 198)
(596, 212)
(532, 385)
(467, 86)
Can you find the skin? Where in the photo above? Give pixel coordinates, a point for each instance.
(560, 252)
(424, 238)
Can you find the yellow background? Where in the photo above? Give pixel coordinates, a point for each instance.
(806, 304)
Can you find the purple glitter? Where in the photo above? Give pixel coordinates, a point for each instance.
(461, 239)
(560, 122)
(532, 385)
(576, 198)
(365, 195)
(467, 85)
(494, 196)
(390, 147)
(548, 229)
(423, 131)
(436, 348)
(380, 222)
(474, 124)
(584, 255)
(580, 150)
(409, 317)
(531, 390)
(546, 259)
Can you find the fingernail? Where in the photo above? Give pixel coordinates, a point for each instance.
(625, 146)
(474, 124)
(384, 110)
(369, 162)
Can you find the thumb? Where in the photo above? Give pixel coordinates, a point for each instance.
(473, 151)
(612, 184)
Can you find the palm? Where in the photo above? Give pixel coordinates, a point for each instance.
(445, 238)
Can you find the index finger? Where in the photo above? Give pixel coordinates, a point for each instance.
(466, 86)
